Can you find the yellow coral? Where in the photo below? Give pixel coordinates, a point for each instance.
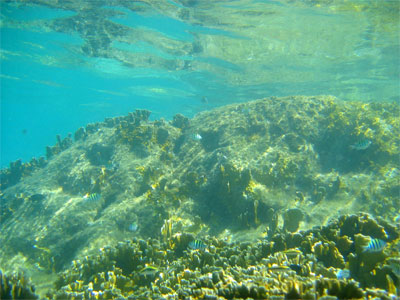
(250, 187)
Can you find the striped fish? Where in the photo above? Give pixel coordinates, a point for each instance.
(197, 245)
(92, 198)
(343, 274)
(149, 271)
(361, 145)
(375, 245)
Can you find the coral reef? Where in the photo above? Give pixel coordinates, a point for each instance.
(16, 286)
(163, 270)
(273, 169)
(17, 170)
(292, 219)
(60, 146)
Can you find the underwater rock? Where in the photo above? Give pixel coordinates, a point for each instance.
(210, 140)
(60, 146)
(292, 219)
(325, 186)
(162, 135)
(223, 191)
(113, 122)
(80, 134)
(140, 115)
(138, 137)
(64, 143)
(363, 224)
(18, 170)
(110, 122)
(345, 245)
(93, 127)
(340, 289)
(12, 175)
(328, 254)
(50, 152)
(180, 121)
(294, 142)
(99, 154)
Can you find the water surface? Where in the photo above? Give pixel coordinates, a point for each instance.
(70, 63)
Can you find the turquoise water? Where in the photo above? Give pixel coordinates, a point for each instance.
(71, 63)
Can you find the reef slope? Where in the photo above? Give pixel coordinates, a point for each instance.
(242, 172)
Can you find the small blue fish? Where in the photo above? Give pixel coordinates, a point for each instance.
(361, 145)
(375, 245)
(133, 227)
(197, 245)
(92, 198)
(343, 274)
(196, 137)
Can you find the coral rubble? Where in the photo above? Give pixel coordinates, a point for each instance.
(241, 270)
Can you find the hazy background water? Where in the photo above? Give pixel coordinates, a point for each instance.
(67, 63)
